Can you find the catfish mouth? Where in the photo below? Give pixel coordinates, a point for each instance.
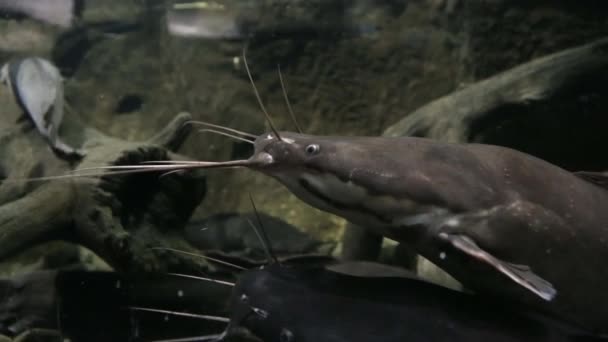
(260, 160)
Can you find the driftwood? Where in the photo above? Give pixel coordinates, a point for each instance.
(451, 117)
(119, 218)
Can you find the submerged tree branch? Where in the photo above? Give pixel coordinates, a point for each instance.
(450, 118)
(120, 218)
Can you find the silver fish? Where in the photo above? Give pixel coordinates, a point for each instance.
(37, 87)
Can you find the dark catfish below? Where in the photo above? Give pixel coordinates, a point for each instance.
(313, 304)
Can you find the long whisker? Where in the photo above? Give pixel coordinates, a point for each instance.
(170, 173)
(226, 134)
(162, 164)
(216, 337)
(151, 166)
(109, 171)
(203, 123)
(127, 170)
(222, 262)
(263, 237)
(293, 116)
(183, 314)
(211, 280)
(255, 229)
(132, 169)
(257, 94)
(202, 164)
(170, 162)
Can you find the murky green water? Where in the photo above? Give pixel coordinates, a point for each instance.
(122, 80)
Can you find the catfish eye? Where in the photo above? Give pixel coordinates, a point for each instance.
(286, 335)
(312, 149)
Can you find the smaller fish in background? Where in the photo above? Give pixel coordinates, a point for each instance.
(211, 20)
(54, 12)
(37, 87)
(238, 20)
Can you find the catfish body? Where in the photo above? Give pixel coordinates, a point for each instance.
(285, 304)
(488, 215)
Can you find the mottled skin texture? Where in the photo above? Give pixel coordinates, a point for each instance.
(299, 304)
(516, 207)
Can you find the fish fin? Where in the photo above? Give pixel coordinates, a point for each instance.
(520, 274)
(598, 178)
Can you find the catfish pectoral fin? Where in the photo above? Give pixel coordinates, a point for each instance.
(521, 274)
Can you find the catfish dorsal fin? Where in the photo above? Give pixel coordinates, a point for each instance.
(598, 178)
